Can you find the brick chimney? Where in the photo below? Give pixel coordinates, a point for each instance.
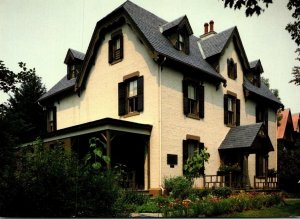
(205, 28)
(210, 32)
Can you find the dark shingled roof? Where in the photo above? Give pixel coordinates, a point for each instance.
(253, 63)
(262, 91)
(171, 24)
(77, 54)
(149, 24)
(215, 44)
(241, 136)
(63, 85)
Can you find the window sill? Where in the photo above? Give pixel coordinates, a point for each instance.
(230, 125)
(131, 114)
(193, 116)
(116, 61)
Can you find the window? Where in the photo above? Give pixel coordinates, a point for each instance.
(183, 42)
(193, 99)
(51, 119)
(256, 80)
(73, 70)
(191, 147)
(231, 69)
(115, 47)
(262, 115)
(131, 95)
(231, 110)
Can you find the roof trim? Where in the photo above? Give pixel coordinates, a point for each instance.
(99, 125)
(257, 66)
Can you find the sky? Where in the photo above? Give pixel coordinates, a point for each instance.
(39, 33)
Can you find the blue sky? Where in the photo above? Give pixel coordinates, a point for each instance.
(39, 32)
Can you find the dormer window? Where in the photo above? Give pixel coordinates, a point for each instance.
(256, 80)
(182, 43)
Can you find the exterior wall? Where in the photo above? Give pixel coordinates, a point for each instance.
(100, 97)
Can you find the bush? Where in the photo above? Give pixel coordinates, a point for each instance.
(222, 192)
(150, 207)
(178, 187)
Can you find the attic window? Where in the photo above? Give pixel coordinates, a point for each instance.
(231, 69)
(115, 47)
(73, 71)
(182, 43)
(256, 80)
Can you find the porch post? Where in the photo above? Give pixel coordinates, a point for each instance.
(108, 148)
(245, 171)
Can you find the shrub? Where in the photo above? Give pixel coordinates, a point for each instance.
(222, 192)
(150, 207)
(178, 187)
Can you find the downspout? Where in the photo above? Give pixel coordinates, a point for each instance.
(160, 68)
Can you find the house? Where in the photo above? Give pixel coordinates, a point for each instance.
(285, 133)
(155, 93)
(296, 124)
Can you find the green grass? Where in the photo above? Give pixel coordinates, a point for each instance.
(290, 209)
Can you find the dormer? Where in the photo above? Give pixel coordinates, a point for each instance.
(178, 33)
(254, 74)
(73, 60)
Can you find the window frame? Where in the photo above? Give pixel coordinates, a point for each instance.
(125, 98)
(51, 123)
(231, 117)
(193, 108)
(262, 115)
(198, 146)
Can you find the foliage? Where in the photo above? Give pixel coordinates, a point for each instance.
(252, 6)
(178, 187)
(96, 156)
(51, 183)
(150, 207)
(267, 83)
(226, 168)
(296, 69)
(288, 168)
(195, 164)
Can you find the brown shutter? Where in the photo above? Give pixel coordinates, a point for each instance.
(185, 97)
(225, 109)
(228, 67)
(185, 154)
(201, 101)
(235, 70)
(238, 112)
(122, 98)
(140, 93)
(110, 51)
(121, 46)
(266, 118)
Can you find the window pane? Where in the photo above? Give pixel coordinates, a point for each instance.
(118, 43)
(191, 149)
(50, 115)
(191, 92)
(180, 38)
(132, 88)
(230, 102)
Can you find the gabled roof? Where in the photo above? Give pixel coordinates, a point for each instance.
(63, 85)
(74, 54)
(263, 92)
(296, 122)
(216, 44)
(148, 26)
(243, 137)
(177, 23)
(256, 65)
(284, 122)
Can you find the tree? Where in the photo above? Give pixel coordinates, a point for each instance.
(256, 7)
(267, 83)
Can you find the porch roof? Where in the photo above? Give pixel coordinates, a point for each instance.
(246, 137)
(97, 126)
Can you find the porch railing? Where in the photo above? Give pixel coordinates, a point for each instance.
(230, 180)
(266, 182)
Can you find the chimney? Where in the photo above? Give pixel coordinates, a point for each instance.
(211, 26)
(208, 33)
(205, 28)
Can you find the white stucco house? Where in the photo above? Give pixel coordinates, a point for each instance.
(155, 93)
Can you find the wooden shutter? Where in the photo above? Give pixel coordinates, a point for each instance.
(201, 101)
(266, 118)
(185, 153)
(228, 67)
(121, 46)
(235, 70)
(238, 112)
(225, 109)
(122, 98)
(140, 93)
(185, 97)
(110, 51)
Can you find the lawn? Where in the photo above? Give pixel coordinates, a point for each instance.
(290, 209)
